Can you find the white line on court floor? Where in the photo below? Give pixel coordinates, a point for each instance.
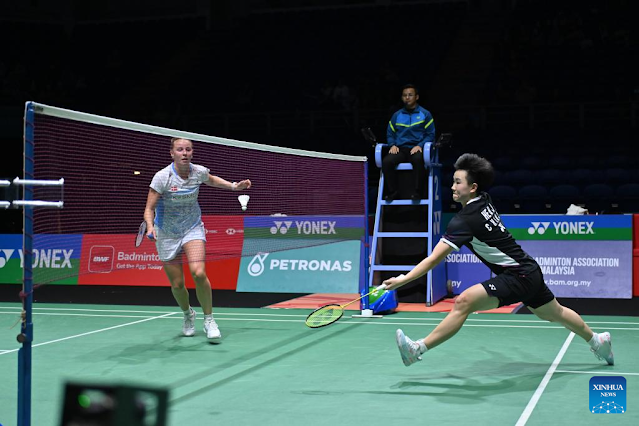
(544, 382)
(219, 314)
(607, 373)
(92, 332)
(372, 321)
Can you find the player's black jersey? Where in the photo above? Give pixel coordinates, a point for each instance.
(479, 227)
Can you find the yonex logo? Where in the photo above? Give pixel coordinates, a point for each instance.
(492, 287)
(539, 227)
(44, 258)
(7, 255)
(305, 227)
(282, 227)
(563, 228)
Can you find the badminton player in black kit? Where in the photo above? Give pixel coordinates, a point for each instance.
(518, 277)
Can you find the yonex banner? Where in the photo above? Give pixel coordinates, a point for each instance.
(570, 228)
(580, 256)
(56, 259)
(329, 261)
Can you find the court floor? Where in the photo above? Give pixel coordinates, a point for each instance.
(501, 369)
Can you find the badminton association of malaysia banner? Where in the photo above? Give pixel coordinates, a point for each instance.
(56, 258)
(580, 256)
(301, 254)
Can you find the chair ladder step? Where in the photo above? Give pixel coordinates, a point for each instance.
(402, 234)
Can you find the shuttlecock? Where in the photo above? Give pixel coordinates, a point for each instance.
(243, 199)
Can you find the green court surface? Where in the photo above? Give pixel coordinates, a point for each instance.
(500, 369)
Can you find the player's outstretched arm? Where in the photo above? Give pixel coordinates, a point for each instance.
(218, 182)
(439, 253)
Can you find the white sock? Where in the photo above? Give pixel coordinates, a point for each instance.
(210, 316)
(188, 312)
(422, 346)
(594, 342)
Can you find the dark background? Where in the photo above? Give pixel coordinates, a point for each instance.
(547, 90)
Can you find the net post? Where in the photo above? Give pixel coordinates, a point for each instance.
(26, 328)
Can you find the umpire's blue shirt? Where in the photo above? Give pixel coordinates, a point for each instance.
(409, 128)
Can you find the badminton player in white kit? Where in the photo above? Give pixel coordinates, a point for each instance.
(174, 219)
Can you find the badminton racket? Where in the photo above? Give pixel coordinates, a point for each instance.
(328, 314)
(140, 237)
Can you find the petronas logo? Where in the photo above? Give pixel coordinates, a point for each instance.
(256, 266)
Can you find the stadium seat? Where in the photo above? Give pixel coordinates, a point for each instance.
(552, 176)
(616, 176)
(562, 196)
(520, 177)
(587, 162)
(627, 196)
(560, 162)
(532, 163)
(533, 199)
(584, 176)
(617, 161)
(504, 198)
(504, 164)
(598, 197)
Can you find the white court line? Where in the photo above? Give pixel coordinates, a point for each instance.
(619, 373)
(371, 321)
(91, 332)
(217, 313)
(544, 382)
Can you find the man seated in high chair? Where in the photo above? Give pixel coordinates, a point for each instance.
(408, 131)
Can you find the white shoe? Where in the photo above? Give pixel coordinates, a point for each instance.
(408, 349)
(188, 327)
(212, 331)
(604, 351)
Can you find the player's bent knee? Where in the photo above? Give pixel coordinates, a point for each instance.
(552, 315)
(199, 275)
(463, 303)
(177, 285)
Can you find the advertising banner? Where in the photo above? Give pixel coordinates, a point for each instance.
(464, 270)
(113, 259)
(301, 254)
(580, 256)
(56, 259)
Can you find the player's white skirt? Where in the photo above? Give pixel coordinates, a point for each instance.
(169, 245)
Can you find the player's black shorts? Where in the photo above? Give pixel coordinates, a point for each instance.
(511, 287)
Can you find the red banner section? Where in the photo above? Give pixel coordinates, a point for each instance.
(113, 259)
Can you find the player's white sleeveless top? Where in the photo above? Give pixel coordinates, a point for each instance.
(177, 210)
